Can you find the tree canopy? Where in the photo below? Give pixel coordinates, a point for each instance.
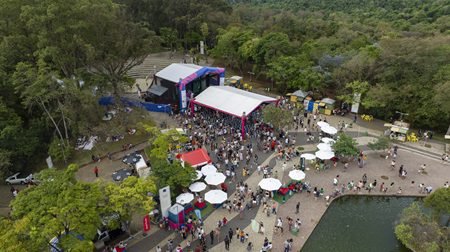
(345, 146)
(61, 205)
(277, 117)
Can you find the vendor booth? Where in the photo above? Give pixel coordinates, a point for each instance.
(397, 131)
(177, 214)
(325, 106)
(178, 83)
(196, 158)
(141, 167)
(297, 96)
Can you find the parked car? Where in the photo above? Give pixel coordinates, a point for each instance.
(15, 180)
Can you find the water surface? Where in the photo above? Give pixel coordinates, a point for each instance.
(359, 223)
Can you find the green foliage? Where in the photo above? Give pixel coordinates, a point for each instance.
(165, 173)
(276, 117)
(354, 87)
(61, 204)
(420, 233)
(382, 143)
(58, 151)
(129, 197)
(169, 37)
(58, 205)
(172, 174)
(439, 202)
(345, 146)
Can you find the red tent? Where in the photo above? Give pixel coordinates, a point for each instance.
(196, 158)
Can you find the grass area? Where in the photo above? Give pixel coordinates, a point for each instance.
(279, 198)
(117, 126)
(207, 210)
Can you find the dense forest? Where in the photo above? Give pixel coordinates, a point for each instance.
(57, 57)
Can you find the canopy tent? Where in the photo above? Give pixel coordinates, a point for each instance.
(323, 124)
(270, 184)
(181, 75)
(197, 187)
(324, 147)
(215, 178)
(216, 196)
(208, 169)
(196, 158)
(232, 101)
(184, 198)
(300, 93)
(297, 175)
(324, 155)
(328, 140)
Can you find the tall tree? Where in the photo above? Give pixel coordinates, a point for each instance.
(345, 146)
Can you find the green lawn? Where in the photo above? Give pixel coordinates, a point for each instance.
(117, 126)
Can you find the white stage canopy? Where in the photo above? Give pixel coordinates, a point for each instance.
(230, 100)
(176, 71)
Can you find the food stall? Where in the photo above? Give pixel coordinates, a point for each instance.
(397, 131)
(297, 96)
(326, 106)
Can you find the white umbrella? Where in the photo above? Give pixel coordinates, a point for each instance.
(216, 196)
(329, 130)
(270, 184)
(197, 187)
(185, 198)
(328, 140)
(209, 168)
(324, 155)
(324, 147)
(308, 156)
(199, 175)
(297, 175)
(322, 124)
(215, 178)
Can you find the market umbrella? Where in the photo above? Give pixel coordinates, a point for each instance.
(324, 147)
(209, 168)
(185, 198)
(199, 175)
(215, 178)
(216, 196)
(297, 175)
(322, 124)
(308, 156)
(324, 155)
(122, 174)
(197, 187)
(270, 184)
(328, 140)
(329, 130)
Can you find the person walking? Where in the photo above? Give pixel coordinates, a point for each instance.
(211, 235)
(230, 234)
(297, 207)
(227, 242)
(96, 170)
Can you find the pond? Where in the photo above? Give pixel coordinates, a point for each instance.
(359, 223)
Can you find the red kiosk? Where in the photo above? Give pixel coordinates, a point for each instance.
(196, 158)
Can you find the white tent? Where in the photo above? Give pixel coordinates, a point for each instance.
(329, 130)
(215, 178)
(176, 209)
(270, 184)
(176, 71)
(231, 100)
(328, 140)
(297, 175)
(324, 155)
(216, 196)
(324, 147)
(185, 198)
(322, 124)
(208, 169)
(197, 187)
